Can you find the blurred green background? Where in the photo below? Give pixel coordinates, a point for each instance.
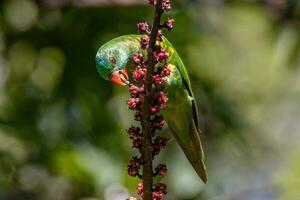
(62, 127)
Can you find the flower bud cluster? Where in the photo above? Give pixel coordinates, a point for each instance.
(143, 27)
(135, 163)
(159, 144)
(135, 103)
(160, 190)
(158, 122)
(169, 24)
(161, 170)
(159, 79)
(134, 166)
(166, 4)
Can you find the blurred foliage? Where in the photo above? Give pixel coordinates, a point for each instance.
(62, 127)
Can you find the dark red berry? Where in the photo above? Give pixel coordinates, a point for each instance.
(133, 166)
(133, 132)
(137, 143)
(158, 144)
(161, 141)
(161, 170)
(132, 172)
(160, 187)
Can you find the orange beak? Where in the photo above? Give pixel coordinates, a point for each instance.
(120, 77)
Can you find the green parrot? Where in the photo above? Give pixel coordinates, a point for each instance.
(113, 62)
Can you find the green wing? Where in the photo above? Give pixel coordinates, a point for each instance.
(185, 78)
(182, 113)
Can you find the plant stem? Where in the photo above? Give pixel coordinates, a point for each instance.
(148, 99)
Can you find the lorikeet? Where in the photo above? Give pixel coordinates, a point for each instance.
(113, 61)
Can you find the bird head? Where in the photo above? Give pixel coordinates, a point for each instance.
(113, 58)
(111, 65)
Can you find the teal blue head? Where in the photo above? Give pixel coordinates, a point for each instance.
(111, 61)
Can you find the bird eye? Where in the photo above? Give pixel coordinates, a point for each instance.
(112, 60)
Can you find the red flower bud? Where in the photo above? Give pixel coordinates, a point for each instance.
(157, 195)
(134, 90)
(139, 73)
(166, 5)
(169, 24)
(162, 98)
(160, 187)
(162, 56)
(137, 143)
(158, 80)
(154, 109)
(143, 27)
(166, 71)
(133, 103)
(142, 88)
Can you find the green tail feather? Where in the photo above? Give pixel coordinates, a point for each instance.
(194, 153)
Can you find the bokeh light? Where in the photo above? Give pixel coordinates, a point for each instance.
(21, 14)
